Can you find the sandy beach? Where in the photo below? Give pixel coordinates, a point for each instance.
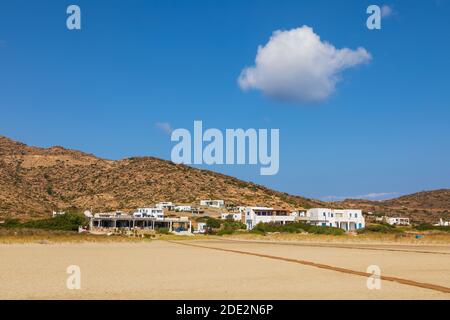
(197, 270)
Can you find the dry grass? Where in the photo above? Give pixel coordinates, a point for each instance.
(11, 236)
(373, 238)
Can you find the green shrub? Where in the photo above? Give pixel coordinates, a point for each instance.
(234, 225)
(428, 226)
(67, 222)
(326, 230)
(296, 227)
(213, 223)
(222, 232)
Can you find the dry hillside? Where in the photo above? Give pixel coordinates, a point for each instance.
(427, 206)
(34, 181)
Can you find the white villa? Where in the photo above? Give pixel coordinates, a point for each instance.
(442, 223)
(397, 221)
(165, 205)
(183, 208)
(213, 203)
(234, 216)
(348, 220)
(149, 213)
(255, 215)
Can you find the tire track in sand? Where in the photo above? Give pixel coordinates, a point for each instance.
(324, 266)
(319, 245)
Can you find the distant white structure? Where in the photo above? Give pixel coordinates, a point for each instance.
(58, 213)
(397, 221)
(348, 220)
(233, 216)
(114, 214)
(165, 205)
(443, 223)
(255, 215)
(213, 203)
(149, 213)
(183, 208)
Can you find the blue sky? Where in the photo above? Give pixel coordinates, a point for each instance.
(102, 89)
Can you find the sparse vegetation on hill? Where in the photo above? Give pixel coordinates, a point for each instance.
(34, 181)
(68, 222)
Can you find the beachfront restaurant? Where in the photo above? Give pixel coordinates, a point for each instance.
(116, 221)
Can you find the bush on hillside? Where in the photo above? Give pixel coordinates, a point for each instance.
(296, 228)
(67, 222)
(428, 226)
(380, 228)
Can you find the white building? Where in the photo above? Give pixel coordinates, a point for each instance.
(149, 213)
(110, 214)
(165, 205)
(397, 221)
(442, 223)
(201, 227)
(213, 203)
(58, 213)
(233, 216)
(348, 220)
(255, 215)
(183, 208)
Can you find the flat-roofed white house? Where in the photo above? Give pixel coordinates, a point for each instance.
(110, 214)
(213, 203)
(397, 221)
(234, 216)
(255, 215)
(349, 219)
(165, 205)
(183, 208)
(149, 213)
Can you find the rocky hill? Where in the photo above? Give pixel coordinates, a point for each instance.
(427, 206)
(34, 181)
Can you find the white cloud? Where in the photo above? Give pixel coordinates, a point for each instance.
(164, 126)
(386, 11)
(297, 66)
